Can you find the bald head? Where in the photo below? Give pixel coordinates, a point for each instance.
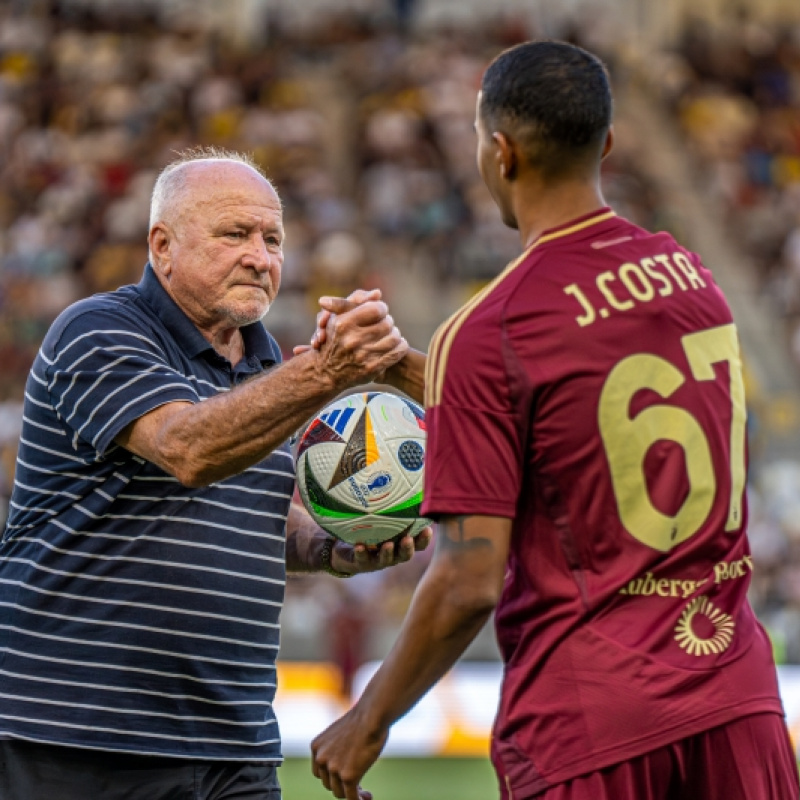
(188, 173)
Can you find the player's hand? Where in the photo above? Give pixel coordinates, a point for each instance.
(332, 306)
(342, 754)
(355, 559)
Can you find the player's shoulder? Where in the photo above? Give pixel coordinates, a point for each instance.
(481, 316)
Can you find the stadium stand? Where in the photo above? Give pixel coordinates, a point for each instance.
(364, 122)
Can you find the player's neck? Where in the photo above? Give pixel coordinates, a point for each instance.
(540, 209)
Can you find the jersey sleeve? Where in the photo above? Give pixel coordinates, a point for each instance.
(474, 452)
(105, 370)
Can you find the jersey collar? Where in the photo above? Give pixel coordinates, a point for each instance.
(257, 342)
(575, 225)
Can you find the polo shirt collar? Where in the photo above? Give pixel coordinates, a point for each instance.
(257, 342)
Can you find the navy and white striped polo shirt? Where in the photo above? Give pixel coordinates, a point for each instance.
(137, 614)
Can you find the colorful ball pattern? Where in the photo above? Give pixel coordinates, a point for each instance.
(360, 465)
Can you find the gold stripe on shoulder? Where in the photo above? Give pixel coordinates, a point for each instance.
(442, 340)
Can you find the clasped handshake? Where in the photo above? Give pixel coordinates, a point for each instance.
(356, 338)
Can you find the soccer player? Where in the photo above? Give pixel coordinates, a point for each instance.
(587, 465)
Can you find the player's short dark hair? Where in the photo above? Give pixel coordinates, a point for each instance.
(554, 96)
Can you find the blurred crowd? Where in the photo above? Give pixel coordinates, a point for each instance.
(734, 91)
(366, 128)
(734, 88)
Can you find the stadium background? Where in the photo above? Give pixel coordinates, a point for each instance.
(361, 111)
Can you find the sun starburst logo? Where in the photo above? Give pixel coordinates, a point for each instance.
(699, 611)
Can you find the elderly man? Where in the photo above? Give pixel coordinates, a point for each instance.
(143, 566)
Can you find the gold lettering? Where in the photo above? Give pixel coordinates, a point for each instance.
(665, 262)
(644, 292)
(649, 585)
(689, 271)
(589, 315)
(602, 284)
(649, 266)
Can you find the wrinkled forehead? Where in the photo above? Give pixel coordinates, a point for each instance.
(204, 178)
(224, 185)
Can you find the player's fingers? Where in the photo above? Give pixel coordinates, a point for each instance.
(363, 794)
(354, 792)
(299, 349)
(322, 774)
(338, 788)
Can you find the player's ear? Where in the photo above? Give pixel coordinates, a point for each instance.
(505, 155)
(609, 143)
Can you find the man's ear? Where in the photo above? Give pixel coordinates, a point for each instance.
(159, 240)
(608, 146)
(505, 155)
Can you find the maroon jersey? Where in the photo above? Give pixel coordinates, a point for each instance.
(593, 393)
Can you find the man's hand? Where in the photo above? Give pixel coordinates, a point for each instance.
(406, 374)
(359, 344)
(305, 539)
(355, 559)
(342, 754)
(331, 306)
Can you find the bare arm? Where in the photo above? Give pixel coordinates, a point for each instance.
(452, 602)
(206, 442)
(408, 375)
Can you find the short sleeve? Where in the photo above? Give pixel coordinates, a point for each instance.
(474, 454)
(104, 370)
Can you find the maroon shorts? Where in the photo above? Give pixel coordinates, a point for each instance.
(749, 759)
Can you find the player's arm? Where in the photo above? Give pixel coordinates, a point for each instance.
(199, 443)
(305, 540)
(407, 375)
(452, 602)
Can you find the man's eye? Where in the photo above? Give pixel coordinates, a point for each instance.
(236, 234)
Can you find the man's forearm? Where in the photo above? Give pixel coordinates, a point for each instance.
(208, 441)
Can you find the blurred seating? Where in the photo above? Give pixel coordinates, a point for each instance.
(366, 128)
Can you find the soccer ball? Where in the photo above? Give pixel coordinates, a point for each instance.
(360, 467)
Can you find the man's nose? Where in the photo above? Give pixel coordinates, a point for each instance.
(258, 254)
